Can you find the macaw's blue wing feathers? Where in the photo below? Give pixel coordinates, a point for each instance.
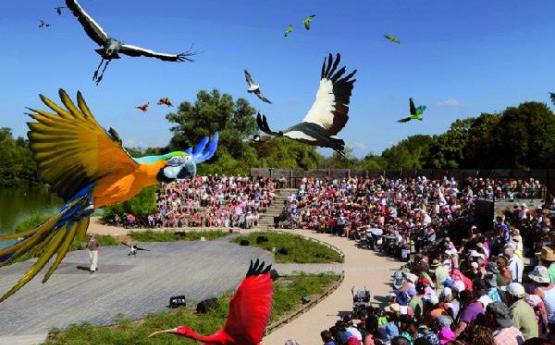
(199, 148)
(208, 150)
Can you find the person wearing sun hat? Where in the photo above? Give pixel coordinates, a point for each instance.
(546, 291)
(522, 314)
(548, 259)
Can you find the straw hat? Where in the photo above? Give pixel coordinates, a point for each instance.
(548, 254)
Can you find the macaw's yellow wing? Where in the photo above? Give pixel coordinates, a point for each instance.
(71, 149)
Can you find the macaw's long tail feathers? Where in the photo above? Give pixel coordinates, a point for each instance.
(52, 237)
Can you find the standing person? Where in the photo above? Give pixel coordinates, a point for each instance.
(522, 314)
(499, 320)
(546, 291)
(516, 267)
(93, 246)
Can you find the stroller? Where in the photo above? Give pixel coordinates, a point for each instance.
(361, 301)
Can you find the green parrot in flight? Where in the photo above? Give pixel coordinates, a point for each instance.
(288, 30)
(392, 39)
(308, 21)
(415, 113)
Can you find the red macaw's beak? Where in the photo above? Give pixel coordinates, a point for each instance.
(166, 331)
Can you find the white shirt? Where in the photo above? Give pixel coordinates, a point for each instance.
(517, 268)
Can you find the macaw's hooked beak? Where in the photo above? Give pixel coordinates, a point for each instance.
(166, 331)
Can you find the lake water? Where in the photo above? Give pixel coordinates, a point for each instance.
(16, 204)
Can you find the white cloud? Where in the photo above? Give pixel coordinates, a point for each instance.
(357, 146)
(450, 103)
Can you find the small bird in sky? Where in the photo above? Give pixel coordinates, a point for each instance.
(59, 9)
(308, 21)
(288, 30)
(110, 48)
(552, 96)
(255, 88)
(165, 101)
(392, 39)
(43, 24)
(143, 107)
(415, 113)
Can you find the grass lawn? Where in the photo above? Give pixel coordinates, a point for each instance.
(171, 236)
(297, 248)
(287, 298)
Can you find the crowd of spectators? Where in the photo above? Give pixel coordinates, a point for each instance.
(210, 201)
(463, 285)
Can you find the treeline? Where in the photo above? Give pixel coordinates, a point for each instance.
(518, 137)
(16, 162)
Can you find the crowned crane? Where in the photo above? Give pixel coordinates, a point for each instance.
(415, 113)
(249, 312)
(89, 169)
(255, 88)
(328, 114)
(111, 47)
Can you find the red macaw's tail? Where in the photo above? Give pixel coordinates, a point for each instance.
(51, 237)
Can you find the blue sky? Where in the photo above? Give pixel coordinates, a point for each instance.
(459, 58)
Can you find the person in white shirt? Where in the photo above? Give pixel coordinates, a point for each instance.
(515, 264)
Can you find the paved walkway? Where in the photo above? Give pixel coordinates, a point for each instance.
(362, 268)
(132, 286)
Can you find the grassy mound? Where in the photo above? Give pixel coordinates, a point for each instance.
(290, 248)
(287, 298)
(171, 236)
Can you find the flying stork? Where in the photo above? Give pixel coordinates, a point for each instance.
(328, 114)
(111, 47)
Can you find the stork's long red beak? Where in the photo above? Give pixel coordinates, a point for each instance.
(172, 331)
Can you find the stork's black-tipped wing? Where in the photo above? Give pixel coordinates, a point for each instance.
(248, 78)
(263, 124)
(331, 107)
(262, 97)
(92, 28)
(552, 96)
(132, 50)
(412, 107)
(125, 244)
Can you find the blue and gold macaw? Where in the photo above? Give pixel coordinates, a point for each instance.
(89, 168)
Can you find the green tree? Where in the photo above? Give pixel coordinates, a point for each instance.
(446, 150)
(408, 153)
(213, 112)
(16, 161)
(525, 137)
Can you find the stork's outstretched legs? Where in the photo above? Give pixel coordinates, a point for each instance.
(98, 77)
(95, 75)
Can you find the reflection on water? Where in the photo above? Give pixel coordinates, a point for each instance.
(16, 204)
